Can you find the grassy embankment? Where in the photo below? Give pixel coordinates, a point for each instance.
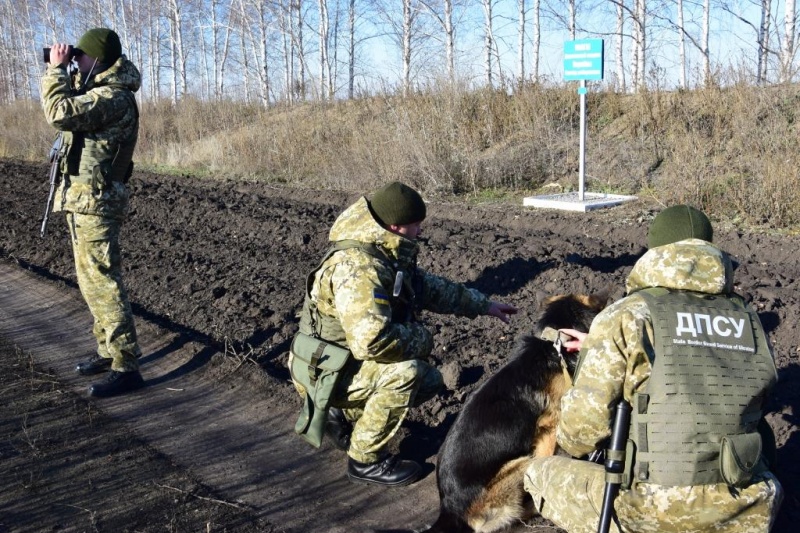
(734, 152)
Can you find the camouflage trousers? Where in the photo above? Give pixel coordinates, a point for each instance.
(377, 397)
(570, 493)
(95, 246)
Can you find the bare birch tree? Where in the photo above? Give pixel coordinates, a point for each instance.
(299, 45)
(324, 65)
(704, 50)
(263, 24)
(351, 48)
(444, 18)
(639, 43)
(243, 25)
(763, 42)
(681, 46)
(573, 19)
(788, 46)
(408, 24)
(520, 42)
(700, 42)
(488, 40)
(220, 42)
(619, 40)
(177, 49)
(537, 38)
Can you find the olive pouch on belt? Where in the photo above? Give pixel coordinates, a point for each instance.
(739, 458)
(317, 366)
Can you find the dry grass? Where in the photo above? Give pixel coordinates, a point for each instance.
(735, 152)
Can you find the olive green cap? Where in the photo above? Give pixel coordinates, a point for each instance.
(677, 223)
(397, 203)
(102, 44)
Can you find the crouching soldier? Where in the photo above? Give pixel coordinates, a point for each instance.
(360, 355)
(692, 360)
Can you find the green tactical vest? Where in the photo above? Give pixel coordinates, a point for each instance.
(316, 324)
(90, 162)
(696, 419)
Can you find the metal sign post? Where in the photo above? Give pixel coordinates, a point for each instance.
(582, 156)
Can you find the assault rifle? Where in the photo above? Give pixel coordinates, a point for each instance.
(55, 173)
(615, 463)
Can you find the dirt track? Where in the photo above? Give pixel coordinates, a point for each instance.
(216, 264)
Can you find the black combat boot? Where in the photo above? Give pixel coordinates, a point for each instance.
(338, 428)
(94, 365)
(390, 471)
(117, 383)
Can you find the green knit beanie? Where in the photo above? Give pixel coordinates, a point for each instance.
(396, 203)
(677, 223)
(102, 44)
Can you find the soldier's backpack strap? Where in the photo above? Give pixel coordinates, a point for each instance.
(338, 246)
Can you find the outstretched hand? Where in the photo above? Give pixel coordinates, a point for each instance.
(575, 344)
(501, 311)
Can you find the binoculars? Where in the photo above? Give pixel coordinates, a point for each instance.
(72, 54)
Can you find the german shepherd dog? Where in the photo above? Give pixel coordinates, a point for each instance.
(509, 420)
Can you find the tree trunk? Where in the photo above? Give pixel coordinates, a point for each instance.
(351, 46)
(572, 20)
(324, 67)
(521, 43)
(640, 43)
(450, 40)
(681, 46)
(488, 36)
(408, 21)
(763, 42)
(537, 38)
(618, 57)
(705, 51)
(789, 38)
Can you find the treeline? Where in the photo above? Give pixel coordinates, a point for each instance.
(289, 51)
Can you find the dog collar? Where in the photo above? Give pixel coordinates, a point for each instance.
(557, 338)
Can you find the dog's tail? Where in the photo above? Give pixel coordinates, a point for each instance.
(449, 523)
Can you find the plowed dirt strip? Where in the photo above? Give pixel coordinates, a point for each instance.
(223, 263)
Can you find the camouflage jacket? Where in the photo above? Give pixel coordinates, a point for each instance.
(617, 354)
(355, 288)
(100, 126)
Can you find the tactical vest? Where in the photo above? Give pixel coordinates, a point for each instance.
(90, 162)
(712, 370)
(404, 300)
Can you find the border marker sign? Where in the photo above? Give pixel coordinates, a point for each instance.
(583, 60)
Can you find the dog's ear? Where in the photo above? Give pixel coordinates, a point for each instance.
(541, 299)
(600, 299)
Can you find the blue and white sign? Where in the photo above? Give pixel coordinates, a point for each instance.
(583, 59)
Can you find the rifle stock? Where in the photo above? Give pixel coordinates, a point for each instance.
(55, 172)
(615, 464)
